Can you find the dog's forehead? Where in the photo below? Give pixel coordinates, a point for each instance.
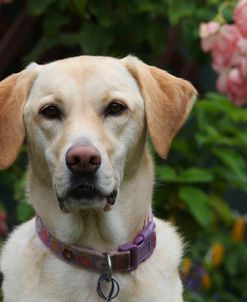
(90, 74)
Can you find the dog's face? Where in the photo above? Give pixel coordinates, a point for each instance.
(82, 126)
(85, 121)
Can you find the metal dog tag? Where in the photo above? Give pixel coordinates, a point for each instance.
(114, 290)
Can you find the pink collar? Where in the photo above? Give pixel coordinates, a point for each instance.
(125, 259)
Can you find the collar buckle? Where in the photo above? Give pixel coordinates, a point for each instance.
(142, 247)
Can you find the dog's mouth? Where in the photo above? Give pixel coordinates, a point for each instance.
(86, 196)
(84, 192)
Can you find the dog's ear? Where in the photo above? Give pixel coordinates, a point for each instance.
(168, 101)
(14, 91)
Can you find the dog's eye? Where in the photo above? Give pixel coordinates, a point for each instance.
(51, 112)
(115, 108)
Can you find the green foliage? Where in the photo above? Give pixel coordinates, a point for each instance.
(206, 162)
(13, 182)
(198, 205)
(227, 279)
(119, 27)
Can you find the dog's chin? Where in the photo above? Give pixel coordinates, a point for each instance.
(72, 205)
(79, 199)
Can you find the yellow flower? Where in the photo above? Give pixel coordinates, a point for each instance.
(238, 229)
(206, 281)
(217, 253)
(186, 266)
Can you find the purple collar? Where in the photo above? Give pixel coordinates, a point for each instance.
(125, 259)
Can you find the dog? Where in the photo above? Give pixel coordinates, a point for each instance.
(90, 180)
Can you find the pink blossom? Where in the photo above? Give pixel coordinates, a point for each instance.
(239, 58)
(242, 65)
(224, 50)
(240, 17)
(242, 45)
(233, 82)
(208, 35)
(228, 47)
(221, 83)
(208, 29)
(236, 87)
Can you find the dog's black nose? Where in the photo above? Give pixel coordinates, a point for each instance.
(83, 159)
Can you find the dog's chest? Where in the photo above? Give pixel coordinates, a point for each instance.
(70, 284)
(32, 274)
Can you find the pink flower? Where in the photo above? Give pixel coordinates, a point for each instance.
(240, 17)
(233, 82)
(236, 87)
(242, 46)
(242, 65)
(228, 47)
(224, 50)
(208, 33)
(221, 83)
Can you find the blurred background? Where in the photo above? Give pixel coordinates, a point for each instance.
(202, 186)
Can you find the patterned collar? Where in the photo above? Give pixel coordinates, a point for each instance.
(125, 259)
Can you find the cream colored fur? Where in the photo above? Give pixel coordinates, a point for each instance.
(82, 87)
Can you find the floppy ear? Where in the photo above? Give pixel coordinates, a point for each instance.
(168, 101)
(14, 91)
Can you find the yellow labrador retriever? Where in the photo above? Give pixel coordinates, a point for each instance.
(90, 180)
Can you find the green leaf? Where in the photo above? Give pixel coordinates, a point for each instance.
(196, 175)
(216, 105)
(80, 6)
(191, 175)
(53, 23)
(147, 6)
(166, 173)
(103, 11)
(24, 211)
(212, 132)
(180, 145)
(198, 204)
(232, 160)
(179, 9)
(228, 13)
(242, 137)
(229, 178)
(95, 40)
(19, 186)
(222, 209)
(38, 7)
(239, 115)
(191, 296)
(69, 39)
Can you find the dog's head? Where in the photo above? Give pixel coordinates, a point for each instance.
(85, 121)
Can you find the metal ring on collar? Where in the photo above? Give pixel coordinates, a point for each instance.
(109, 266)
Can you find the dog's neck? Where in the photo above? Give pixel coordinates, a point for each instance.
(98, 229)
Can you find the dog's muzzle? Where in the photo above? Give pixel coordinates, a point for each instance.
(83, 190)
